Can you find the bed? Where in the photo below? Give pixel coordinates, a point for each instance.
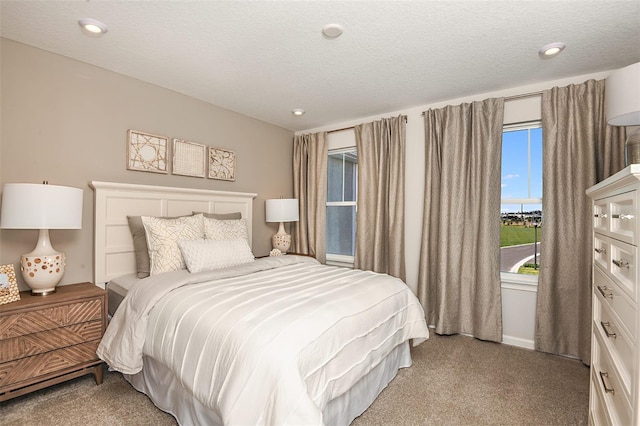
(276, 340)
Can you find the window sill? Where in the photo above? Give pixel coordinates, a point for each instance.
(340, 260)
(519, 281)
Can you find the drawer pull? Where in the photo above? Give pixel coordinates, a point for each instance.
(620, 263)
(623, 216)
(603, 291)
(601, 250)
(602, 215)
(607, 389)
(605, 327)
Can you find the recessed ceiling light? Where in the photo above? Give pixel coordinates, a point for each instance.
(332, 30)
(551, 50)
(93, 26)
(297, 111)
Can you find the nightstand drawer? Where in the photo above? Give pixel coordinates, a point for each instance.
(14, 374)
(37, 343)
(50, 318)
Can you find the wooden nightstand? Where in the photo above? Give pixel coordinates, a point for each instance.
(45, 340)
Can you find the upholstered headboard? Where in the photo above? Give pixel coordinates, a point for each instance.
(113, 244)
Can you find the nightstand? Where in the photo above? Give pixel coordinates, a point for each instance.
(45, 340)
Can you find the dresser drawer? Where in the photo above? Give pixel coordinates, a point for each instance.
(50, 318)
(622, 211)
(618, 301)
(615, 340)
(601, 216)
(601, 251)
(597, 412)
(623, 266)
(45, 341)
(610, 385)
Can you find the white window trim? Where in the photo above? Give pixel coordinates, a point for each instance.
(341, 259)
(512, 280)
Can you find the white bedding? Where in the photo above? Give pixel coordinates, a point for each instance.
(269, 342)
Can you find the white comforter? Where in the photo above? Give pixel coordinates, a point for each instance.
(269, 342)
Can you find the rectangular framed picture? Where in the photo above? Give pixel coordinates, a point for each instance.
(8, 285)
(222, 164)
(147, 152)
(189, 158)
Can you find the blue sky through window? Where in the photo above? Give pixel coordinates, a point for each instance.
(522, 167)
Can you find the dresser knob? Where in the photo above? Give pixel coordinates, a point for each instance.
(620, 263)
(604, 376)
(605, 327)
(603, 292)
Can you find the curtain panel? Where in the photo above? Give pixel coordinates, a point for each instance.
(310, 156)
(580, 150)
(380, 204)
(459, 277)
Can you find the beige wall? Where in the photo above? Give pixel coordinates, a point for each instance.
(66, 121)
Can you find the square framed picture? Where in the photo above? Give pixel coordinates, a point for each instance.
(189, 158)
(222, 164)
(147, 152)
(8, 285)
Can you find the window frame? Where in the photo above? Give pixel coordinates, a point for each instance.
(514, 277)
(333, 258)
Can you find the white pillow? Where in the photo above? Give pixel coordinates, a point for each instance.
(205, 255)
(215, 229)
(163, 235)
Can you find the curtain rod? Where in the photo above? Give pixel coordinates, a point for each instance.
(514, 97)
(353, 127)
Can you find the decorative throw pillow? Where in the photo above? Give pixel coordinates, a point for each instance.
(206, 255)
(215, 229)
(162, 239)
(140, 248)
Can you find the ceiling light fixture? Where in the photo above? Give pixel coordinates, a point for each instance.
(332, 31)
(551, 50)
(297, 111)
(93, 26)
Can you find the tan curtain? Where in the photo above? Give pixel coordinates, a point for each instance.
(310, 153)
(580, 149)
(380, 205)
(459, 277)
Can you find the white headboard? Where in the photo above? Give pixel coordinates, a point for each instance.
(113, 249)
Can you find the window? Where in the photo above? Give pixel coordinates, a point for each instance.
(342, 183)
(521, 205)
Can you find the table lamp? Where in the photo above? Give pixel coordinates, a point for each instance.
(282, 210)
(622, 106)
(42, 207)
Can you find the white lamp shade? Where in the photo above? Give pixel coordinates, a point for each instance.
(622, 96)
(41, 206)
(282, 210)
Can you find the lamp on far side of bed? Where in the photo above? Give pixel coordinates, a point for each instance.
(42, 207)
(282, 210)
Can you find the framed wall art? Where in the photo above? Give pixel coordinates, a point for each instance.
(189, 158)
(222, 164)
(147, 152)
(8, 285)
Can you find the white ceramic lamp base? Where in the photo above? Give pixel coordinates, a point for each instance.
(281, 240)
(42, 268)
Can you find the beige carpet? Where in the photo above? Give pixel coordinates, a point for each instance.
(454, 381)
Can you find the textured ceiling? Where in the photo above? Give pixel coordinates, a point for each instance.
(264, 58)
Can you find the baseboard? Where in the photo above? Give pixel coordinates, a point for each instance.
(517, 341)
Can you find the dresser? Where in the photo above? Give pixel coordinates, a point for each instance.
(45, 340)
(615, 346)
